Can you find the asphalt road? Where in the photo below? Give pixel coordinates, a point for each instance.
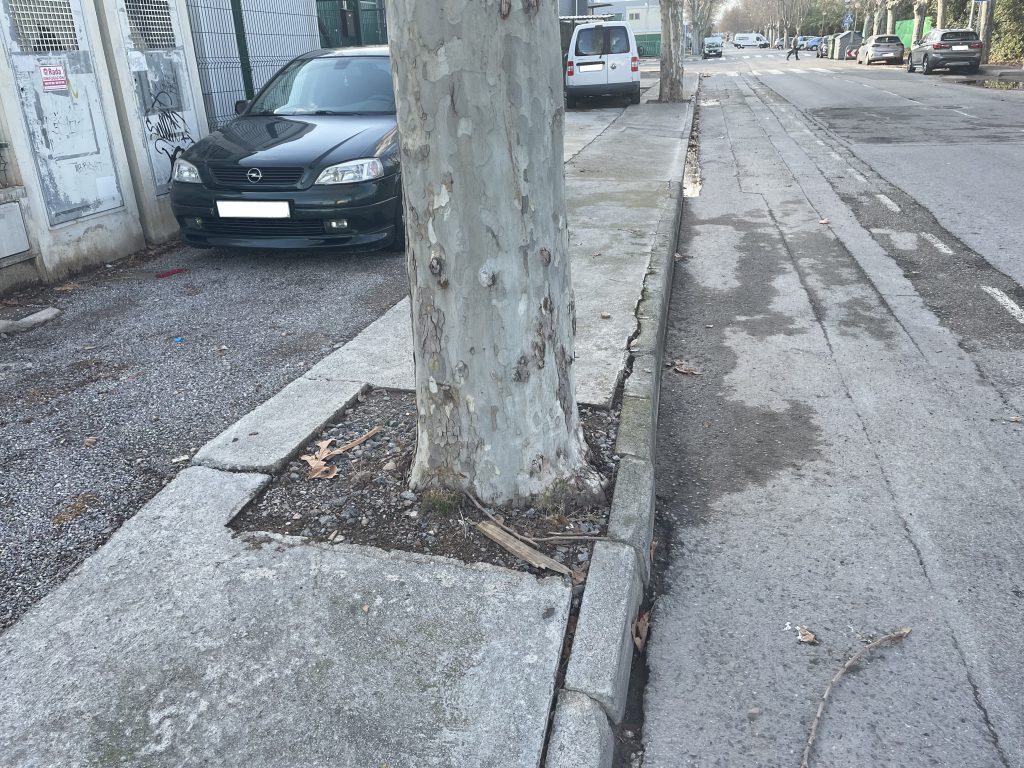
(851, 459)
(99, 407)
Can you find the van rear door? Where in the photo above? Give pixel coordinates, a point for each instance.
(587, 63)
(621, 56)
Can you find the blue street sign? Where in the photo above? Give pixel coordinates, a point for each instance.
(847, 22)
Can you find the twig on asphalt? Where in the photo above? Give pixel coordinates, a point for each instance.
(497, 522)
(569, 537)
(895, 637)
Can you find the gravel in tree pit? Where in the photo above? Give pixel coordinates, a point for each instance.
(369, 501)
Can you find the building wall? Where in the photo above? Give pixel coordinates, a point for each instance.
(68, 175)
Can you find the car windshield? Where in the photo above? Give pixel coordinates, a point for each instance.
(334, 85)
(963, 35)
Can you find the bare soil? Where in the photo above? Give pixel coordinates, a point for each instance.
(369, 502)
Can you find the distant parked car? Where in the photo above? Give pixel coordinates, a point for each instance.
(812, 43)
(946, 49)
(712, 47)
(602, 60)
(750, 40)
(885, 48)
(801, 41)
(780, 43)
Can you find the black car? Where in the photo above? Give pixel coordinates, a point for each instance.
(311, 162)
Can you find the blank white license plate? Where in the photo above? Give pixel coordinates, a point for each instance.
(591, 67)
(887, 54)
(960, 48)
(253, 209)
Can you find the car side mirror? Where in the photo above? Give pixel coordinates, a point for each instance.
(241, 105)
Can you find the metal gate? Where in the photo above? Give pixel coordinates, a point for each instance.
(152, 42)
(54, 68)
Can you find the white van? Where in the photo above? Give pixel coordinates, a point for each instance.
(750, 40)
(602, 60)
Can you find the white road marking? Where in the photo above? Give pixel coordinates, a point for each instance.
(733, 74)
(772, 72)
(884, 200)
(835, 156)
(890, 93)
(939, 245)
(746, 57)
(1006, 302)
(961, 112)
(820, 142)
(821, 69)
(857, 176)
(905, 241)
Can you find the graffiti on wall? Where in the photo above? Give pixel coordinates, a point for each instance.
(167, 127)
(168, 119)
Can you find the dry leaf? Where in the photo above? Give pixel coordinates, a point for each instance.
(366, 609)
(641, 627)
(823, 221)
(678, 257)
(90, 441)
(320, 470)
(680, 366)
(67, 287)
(1015, 419)
(606, 316)
(804, 635)
(579, 575)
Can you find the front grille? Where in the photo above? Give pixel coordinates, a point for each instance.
(264, 227)
(237, 176)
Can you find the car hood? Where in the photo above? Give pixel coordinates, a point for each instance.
(307, 141)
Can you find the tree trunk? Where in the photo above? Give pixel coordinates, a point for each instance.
(920, 8)
(673, 51)
(479, 92)
(985, 17)
(940, 14)
(879, 13)
(890, 19)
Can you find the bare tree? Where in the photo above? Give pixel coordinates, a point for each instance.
(480, 114)
(890, 15)
(940, 14)
(986, 15)
(702, 14)
(673, 51)
(876, 28)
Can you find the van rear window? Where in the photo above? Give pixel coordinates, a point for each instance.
(618, 40)
(590, 42)
(887, 39)
(964, 35)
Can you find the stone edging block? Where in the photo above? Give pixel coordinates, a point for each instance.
(266, 438)
(602, 650)
(580, 736)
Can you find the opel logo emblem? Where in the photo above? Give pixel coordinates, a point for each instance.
(254, 175)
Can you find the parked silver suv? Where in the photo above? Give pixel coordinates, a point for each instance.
(946, 49)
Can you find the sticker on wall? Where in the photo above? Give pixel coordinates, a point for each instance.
(54, 78)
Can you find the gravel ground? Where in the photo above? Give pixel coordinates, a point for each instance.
(138, 371)
(369, 502)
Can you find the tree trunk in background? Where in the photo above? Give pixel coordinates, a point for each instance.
(876, 29)
(986, 15)
(890, 17)
(940, 14)
(479, 92)
(920, 8)
(673, 51)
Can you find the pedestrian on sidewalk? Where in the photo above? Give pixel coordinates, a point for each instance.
(793, 50)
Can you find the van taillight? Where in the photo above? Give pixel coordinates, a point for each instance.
(570, 68)
(634, 64)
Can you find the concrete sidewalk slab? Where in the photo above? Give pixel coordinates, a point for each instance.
(180, 644)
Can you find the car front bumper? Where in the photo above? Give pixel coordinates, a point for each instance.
(370, 210)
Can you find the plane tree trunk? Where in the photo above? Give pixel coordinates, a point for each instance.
(673, 51)
(479, 92)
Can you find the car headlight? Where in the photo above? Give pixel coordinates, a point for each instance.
(352, 171)
(185, 172)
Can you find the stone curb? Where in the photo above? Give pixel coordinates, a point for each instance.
(266, 438)
(602, 651)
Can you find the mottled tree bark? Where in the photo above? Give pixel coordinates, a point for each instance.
(920, 9)
(479, 92)
(890, 16)
(986, 15)
(940, 14)
(876, 28)
(673, 51)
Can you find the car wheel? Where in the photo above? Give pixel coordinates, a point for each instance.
(570, 102)
(925, 66)
(910, 64)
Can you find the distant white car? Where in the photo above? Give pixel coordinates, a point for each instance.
(750, 40)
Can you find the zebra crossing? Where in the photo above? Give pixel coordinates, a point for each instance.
(794, 71)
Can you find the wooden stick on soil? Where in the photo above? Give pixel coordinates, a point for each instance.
(521, 550)
(895, 637)
(497, 522)
(349, 445)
